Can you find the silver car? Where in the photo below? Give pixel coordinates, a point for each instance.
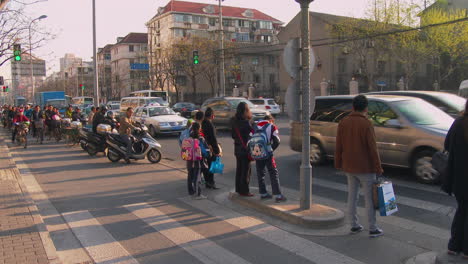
(408, 130)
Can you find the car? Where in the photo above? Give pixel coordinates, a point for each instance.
(136, 102)
(408, 131)
(185, 109)
(267, 104)
(160, 120)
(224, 109)
(450, 103)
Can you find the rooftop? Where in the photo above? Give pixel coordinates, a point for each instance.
(135, 38)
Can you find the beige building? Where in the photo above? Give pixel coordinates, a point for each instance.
(249, 29)
(105, 72)
(21, 75)
(337, 67)
(129, 65)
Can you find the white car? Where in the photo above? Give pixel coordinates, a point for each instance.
(160, 120)
(267, 104)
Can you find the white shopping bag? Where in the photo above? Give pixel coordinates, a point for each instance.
(387, 202)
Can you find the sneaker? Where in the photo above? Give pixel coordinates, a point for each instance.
(357, 229)
(376, 233)
(265, 196)
(200, 197)
(280, 199)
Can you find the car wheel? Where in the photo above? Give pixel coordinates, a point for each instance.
(152, 131)
(317, 153)
(422, 167)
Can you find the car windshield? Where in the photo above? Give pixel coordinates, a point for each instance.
(422, 113)
(257, 102)
(235, 102)
(181, 105)
(453, 101)
(158, 100)
(158, 111)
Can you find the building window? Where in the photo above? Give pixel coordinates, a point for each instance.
(132, 75)
(266, 25)
(183, 18)
(199, 20)
(228, 22)
(341, 65)
(212, 21)
(265, 38)
(131, 48)
(241, 23)
(272, 79)
(107, 56)
(242, 37)
(178, 32)
(271, 60)
(256, 78)
(255, 60)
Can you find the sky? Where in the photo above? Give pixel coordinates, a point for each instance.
(71, 20)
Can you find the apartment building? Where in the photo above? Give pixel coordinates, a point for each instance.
(21, 75)
(105, 72)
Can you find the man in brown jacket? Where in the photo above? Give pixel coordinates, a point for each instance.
(357, 155)
(125, 130)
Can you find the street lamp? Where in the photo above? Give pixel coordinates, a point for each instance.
(30, 54)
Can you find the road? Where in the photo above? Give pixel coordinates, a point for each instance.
(99, 211)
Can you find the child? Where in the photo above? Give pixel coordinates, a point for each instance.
(194, 167)
(270, 163)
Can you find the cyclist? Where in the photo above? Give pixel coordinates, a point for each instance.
(20, 117)
(78, 116)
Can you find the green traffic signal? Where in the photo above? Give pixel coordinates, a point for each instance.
(18, 58)
(195, 57)
(17, 52)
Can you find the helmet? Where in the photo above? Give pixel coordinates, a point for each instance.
(110, 114)
(104, 108)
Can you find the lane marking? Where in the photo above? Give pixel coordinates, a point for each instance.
(194, 243)
(290, 242)
(100, 244)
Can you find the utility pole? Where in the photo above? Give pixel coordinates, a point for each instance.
(222, 81)
(96, 88)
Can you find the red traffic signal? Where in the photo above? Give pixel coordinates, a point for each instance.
(4, 89)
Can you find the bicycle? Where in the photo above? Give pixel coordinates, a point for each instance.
(39, 128)
(22, 134)
(71, 136)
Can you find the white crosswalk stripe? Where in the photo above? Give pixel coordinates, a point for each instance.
(194, 243)
(300, 246)
(99, 243)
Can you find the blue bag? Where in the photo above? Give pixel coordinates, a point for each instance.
(217, 166)
(387, 202)
(204, 149)
(259, 145)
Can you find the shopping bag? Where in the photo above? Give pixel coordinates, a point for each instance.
(217, 166)
(375, 190)
(387, 201)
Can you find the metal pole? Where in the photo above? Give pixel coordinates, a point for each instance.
(96, 87)
(222, 81)
(31, 61)
(306, 169)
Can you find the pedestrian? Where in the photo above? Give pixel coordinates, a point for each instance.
(356, 154)
(37, 119)
(272, 135)
(91, 115)
(456, 182)
(69, 112)
(209, 133)
(194, 167)
(241, 131)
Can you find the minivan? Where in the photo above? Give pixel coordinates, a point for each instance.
(135, 102)
(408, 131)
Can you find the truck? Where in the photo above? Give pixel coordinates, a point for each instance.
(57, 97)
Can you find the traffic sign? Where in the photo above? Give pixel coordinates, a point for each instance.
(292, 100)
(291, 58)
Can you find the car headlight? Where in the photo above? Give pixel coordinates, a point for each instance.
(268, 113)
(164, 124)
(184, 122)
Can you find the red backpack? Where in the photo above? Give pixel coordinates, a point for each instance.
(191, 149)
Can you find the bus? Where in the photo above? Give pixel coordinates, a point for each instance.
(20, 100)
(152, 93)
(83, 100)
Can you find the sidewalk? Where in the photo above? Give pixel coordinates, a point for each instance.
(21, 240)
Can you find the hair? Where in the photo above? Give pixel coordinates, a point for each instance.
(269, 117)
(199, 115)
(76, 108)
(93, 108)
(130, 108)
(242, 107)
(360, 103)
(209, 112)
(195, 133)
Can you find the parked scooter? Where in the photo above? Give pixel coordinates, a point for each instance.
(83, 137)
(143, 145)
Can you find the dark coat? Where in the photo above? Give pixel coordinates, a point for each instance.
(209, 131)
(457, 168)
(245, 130)
(99, 118)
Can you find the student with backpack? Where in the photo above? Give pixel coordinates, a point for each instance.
(194, 148)
(264, 141)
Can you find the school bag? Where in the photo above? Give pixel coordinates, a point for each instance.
(191, 149)
(259, 145)
(204, 149)
(185, 134)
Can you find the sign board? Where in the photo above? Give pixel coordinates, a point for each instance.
(381, 83)
(291, 58)
(311, 60)
(292, 101)
(139, 66)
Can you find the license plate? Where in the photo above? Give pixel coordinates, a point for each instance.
(176, 128)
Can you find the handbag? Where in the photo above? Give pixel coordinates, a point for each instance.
(375, 191)
(217, 166)
(244, 145)
(387, 200)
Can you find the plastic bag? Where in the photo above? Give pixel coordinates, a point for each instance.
(217, 166)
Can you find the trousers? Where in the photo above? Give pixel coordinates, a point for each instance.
(366, 180)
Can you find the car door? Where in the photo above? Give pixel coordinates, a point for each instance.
(137, 115)
(392, 143)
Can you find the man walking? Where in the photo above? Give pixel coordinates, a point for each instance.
(357, 155)
(209, 132)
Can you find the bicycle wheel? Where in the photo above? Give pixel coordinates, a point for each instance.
(57, 134)
(40, 135)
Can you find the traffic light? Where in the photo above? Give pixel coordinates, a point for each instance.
(17, 52)
(195, 57)
(82, 87)
(5, 89)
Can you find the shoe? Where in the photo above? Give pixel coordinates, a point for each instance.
(357, 229)
(247, 194)
(376, 233)
(211, 186)
(281, 199)
(453, 253)
(200, 197)
(266, 196)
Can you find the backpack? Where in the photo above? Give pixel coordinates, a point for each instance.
(185, 134)
(204, 149)
(191, 149)
(259, 145)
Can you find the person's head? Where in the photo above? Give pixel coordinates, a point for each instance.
(21, 112)
(37, 108)
(129, 112)
(199, 116)
(195, 132)
(70, 108)
(93, 109)
(77, 109)
(97, 109)
(51, 107)
(243, 111)
(270, 119)
(27, 107)
(110, 114)
(360, 104)
(209, 113)
(189, 123)
(103, 109)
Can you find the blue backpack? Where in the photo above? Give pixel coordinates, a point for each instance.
(204, 149)
(185, 134)
(259, 145)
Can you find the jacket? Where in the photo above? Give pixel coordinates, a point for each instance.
(356, 146)
(77, 117)
(209, 132)
(37, 116)
(244, 129)
(272, 133)
(20, 118)
(457, 166)
(90, 117)
(99, 118)
(68, 114)
(126, 126)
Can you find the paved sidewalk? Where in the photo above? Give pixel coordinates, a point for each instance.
(20, 238)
